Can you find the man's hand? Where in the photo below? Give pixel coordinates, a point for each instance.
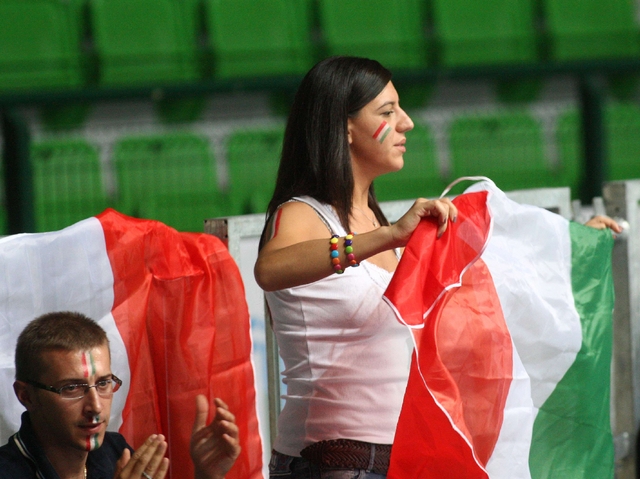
(148, 462)
(214, 448)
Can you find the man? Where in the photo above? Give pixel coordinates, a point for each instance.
(65, 382)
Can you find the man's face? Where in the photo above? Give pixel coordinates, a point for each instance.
(78, 424)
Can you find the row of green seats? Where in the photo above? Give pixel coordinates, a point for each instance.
(504, 31)
(172, 177)
(169, 177)
(47, 43)
(622, 134)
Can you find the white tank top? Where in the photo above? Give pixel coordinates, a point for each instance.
(346, 356)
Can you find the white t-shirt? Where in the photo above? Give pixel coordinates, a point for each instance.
(346, 356)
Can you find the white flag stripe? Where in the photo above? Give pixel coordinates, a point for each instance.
(545, 326)
(510, 457)
(63, 270)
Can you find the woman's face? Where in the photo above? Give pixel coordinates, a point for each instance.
(377, 135)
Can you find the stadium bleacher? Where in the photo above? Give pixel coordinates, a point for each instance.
(78, 44)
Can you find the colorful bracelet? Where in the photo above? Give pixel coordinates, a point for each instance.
(335, 255)
(348, 249)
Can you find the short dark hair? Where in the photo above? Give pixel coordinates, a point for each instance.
(63, 330)
(315, 157)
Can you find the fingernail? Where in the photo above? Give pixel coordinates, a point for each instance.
(455, 218)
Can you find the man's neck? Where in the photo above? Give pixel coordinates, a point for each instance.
(68, 463)
(69, 467)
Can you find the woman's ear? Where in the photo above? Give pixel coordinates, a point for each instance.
(349, 126)
(23, 393)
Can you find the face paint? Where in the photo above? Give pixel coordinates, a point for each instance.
(88, 364)
(382, 132)
(274, 225)
(92, 442)
(96, 419)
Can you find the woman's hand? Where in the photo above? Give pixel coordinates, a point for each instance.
(602, 222)
(441, 211)
(214, 448)
(148, 462)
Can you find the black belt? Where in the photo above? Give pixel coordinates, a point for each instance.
(349, 454)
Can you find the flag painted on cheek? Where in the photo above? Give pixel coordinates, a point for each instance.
(511, 315)
(174, 310)
(381, 133)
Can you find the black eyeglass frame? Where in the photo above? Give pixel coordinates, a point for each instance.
(117, 383)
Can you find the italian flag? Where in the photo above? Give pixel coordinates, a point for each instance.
(174, 308)
(511, 315)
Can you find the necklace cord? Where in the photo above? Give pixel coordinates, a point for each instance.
(372, 219)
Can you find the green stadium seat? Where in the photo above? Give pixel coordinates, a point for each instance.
(469, 32)
(355, 27)
(163, 176)
(588, 29)
(506, 147)
(40, 44)
(253, 156)
(420, 175)
(251, 38)
(493, 32)
(67, 182)
(182, 211)
(144, 42)
(622, 137)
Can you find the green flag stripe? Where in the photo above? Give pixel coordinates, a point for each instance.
(572, 433)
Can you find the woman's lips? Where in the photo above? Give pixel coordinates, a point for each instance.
(92, 428)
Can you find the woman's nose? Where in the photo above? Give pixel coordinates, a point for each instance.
(405, 123)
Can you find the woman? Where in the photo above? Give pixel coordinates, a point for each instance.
(346, 356)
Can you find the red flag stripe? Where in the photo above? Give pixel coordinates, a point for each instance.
(463, 358)
(179, 307)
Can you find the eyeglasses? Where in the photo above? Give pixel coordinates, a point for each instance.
(105, 388)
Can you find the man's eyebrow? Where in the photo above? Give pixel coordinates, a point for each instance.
(386, 104)
(72, 381)
(83, 380)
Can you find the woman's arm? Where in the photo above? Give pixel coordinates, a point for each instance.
(298, 252)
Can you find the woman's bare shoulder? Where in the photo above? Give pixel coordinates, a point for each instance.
(295, 222)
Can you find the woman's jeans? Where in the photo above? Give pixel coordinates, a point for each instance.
(288, 467)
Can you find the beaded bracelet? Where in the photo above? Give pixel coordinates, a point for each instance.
(335, 255)
(348, 249)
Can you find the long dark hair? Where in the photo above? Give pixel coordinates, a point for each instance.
(315, 159)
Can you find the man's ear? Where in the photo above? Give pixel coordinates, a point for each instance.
(24, 394)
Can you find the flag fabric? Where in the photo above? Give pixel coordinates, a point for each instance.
(511, 314)
(174, 308)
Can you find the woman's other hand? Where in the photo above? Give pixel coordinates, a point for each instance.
(601, 222)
